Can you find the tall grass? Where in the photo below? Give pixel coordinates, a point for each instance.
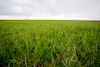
(49, 43)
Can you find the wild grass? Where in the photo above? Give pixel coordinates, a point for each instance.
(49, 43)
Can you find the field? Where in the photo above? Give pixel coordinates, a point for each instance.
(49, 43)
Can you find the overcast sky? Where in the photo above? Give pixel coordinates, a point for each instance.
(50, 9)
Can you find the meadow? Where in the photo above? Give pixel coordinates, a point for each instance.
(49, 43)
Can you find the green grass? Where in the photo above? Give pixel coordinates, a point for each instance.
(49, 43)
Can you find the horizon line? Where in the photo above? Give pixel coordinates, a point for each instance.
(53, 19)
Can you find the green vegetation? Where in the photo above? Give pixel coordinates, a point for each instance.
(49, 43)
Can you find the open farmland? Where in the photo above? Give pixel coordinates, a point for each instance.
(49, 43)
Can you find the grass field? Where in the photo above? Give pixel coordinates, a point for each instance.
(49, 43)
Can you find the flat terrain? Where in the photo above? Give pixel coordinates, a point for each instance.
(49, 43)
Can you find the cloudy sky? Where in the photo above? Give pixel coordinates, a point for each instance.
(50, 9)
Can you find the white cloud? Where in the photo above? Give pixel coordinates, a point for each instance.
(48, 16)
(50, 9)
